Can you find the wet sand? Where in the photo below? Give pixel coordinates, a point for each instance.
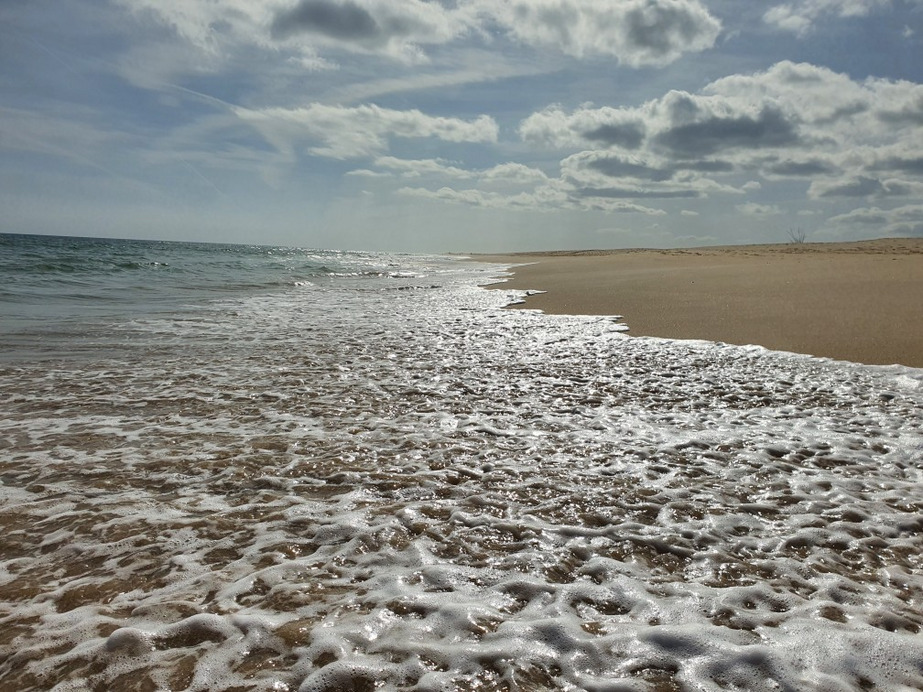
(859, 302)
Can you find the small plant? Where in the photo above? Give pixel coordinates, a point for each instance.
(797, 235)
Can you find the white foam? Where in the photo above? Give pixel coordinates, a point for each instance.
(418, 489)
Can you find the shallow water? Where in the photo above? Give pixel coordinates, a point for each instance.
(392, 483)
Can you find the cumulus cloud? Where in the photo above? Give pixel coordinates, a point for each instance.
(554, 127)
(628, 167)
(501, 174)
(344, 132)
(610, 175)
(417, 168)
(798, 167)
(393, 27)
(909, 111)
(800, 17)
(905, 221)
(838, 137)
(397, 27)
(347, 21)
(626, 135)
(711, 126)
(898, 162)
(509, 186)
(842, 137)
(758, 210)
(817, 94)
(513, 173)
(478, 198)
(864, 186)
(636, 32)
(616, 192)
(612, 206)
(680, 125)
(550, 196)
(517, 186)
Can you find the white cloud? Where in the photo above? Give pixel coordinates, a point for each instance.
(205, 24)
(477, 67)
(862, 217)
(514, 173)
(800, 17)
(833, 96)
(875, 222)
(479, 198)
(841, 137)
(395, 27)
(555, 196)
(504, 174)
(608, 174)
(788, 105)
(507, 186)
(367, 173)
(637, 32)
(346, 133)
(508, 173)
(697, 126)
(759, 210)
(173, 39)
(678, 125)
(421, 167)
(553, 127)
(864, 186)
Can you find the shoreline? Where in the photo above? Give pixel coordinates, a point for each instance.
(859, 301)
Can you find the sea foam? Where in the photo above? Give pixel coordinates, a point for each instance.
(359, 488)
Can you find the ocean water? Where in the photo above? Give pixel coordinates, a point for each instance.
(252, 468)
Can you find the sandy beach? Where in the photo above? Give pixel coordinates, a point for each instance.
(860, 302)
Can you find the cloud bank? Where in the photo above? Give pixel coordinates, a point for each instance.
(844, 138)
(636, 32)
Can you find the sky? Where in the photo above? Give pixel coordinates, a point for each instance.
(462, 125)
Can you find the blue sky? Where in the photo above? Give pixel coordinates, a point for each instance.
(462, 125)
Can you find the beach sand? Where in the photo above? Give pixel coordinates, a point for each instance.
(859, 301)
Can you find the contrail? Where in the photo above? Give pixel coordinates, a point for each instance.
(204, 179)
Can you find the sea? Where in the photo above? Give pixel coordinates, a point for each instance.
(243, 467)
